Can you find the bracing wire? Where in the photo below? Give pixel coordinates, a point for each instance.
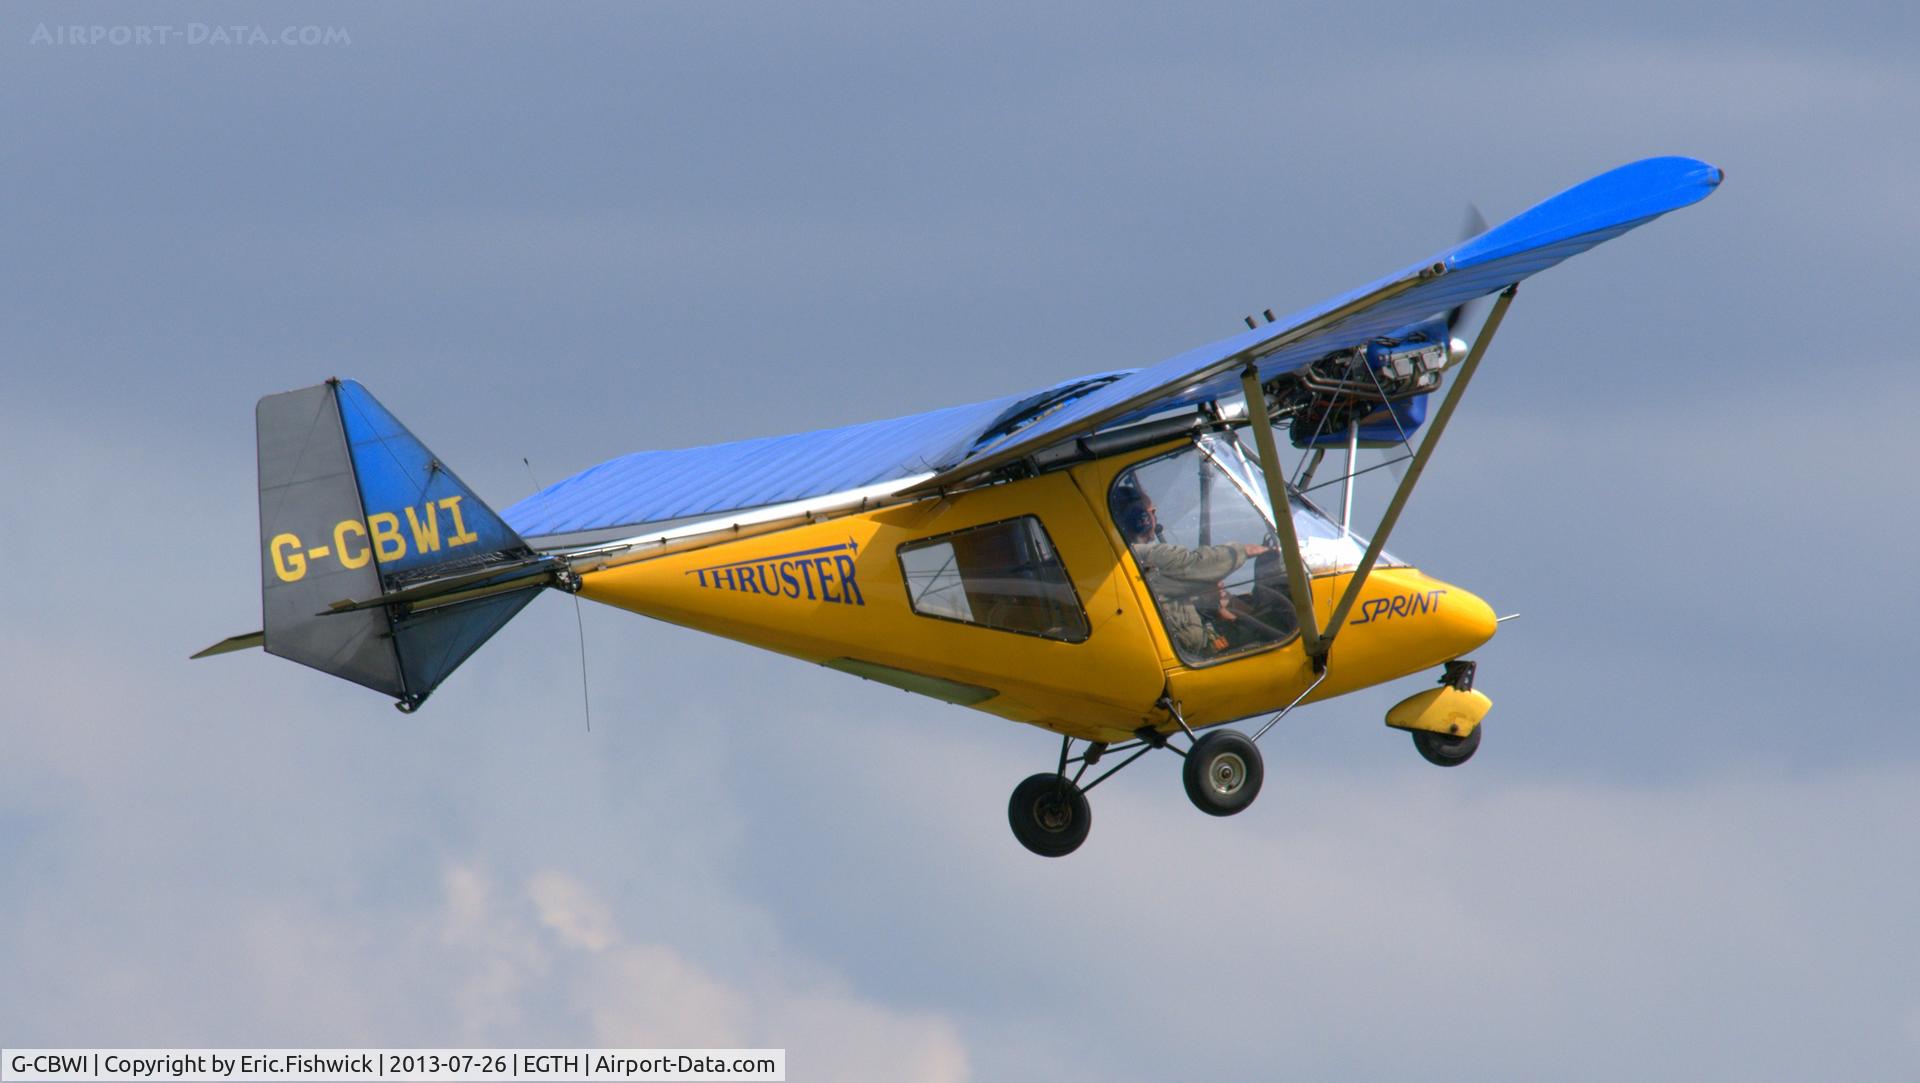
(579, 621)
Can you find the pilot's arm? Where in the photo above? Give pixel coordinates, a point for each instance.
(1194, 569)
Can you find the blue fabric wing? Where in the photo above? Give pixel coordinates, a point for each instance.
(1572, 222)
(961, 442)
(657, 486)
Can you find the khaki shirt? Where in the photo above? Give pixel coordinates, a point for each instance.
(1180, 579)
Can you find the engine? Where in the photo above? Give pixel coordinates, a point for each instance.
(1382, 387)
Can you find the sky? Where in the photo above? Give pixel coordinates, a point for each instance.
(561, 235)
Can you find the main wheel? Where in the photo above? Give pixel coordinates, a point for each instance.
(1446, 751)
(1223, 772)
(1049, 815)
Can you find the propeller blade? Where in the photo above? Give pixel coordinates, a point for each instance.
(1468, 312)
(1475, 224)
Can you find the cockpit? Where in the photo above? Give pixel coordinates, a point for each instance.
(1199, 525)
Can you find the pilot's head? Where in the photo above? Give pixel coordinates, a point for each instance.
(1134, 514)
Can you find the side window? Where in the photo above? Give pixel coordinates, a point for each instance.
(1002, 575)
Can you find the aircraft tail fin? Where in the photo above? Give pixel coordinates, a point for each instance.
(377, 563)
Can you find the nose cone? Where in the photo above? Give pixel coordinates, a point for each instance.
(1466, 620)
(1405, 622)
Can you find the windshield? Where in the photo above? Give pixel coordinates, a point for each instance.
(1326, 549)
(1199, 526)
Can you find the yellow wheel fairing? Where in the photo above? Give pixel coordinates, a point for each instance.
(1442, 710)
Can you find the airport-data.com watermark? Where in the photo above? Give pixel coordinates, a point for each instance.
(199, 35)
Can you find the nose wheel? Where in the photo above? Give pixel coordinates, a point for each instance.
(1443, 750)
(1436, 717)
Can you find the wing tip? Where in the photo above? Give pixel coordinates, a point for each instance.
(1681, 179)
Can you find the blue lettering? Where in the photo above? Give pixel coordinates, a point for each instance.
(825, 581)
(1400, 605)
(822, 578)
(845, 566)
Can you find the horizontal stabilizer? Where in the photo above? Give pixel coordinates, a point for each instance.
(231, 644)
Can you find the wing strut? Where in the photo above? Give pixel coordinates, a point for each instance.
(1316, 640)
(1298, 586)
(1420, 457)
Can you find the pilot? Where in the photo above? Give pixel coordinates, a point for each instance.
(1186, 581)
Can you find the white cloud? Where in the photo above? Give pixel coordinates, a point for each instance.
(578, 918)
(653, 995)
(496, 962)
(850, 1038)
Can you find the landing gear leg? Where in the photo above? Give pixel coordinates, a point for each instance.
(1049, 812)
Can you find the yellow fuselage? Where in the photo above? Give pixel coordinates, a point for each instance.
(834, 593)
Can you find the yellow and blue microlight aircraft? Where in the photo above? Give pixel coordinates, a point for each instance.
(1103, 558)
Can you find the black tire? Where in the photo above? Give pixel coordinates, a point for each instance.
(1049, 815)
(1442, 750)
(1223, 772)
